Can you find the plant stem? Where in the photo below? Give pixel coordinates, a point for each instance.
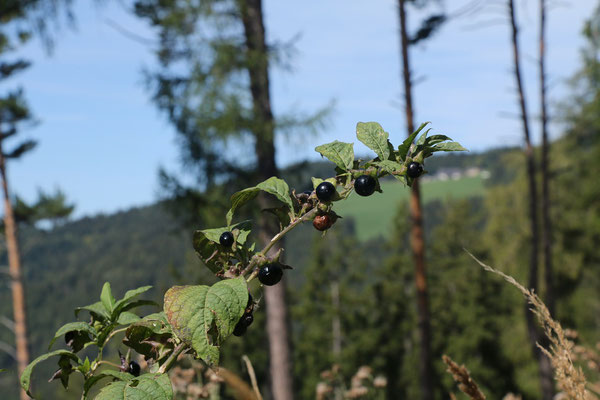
(113, 333)
(109, 363)
(172, 358)
(288, 228)
(276, 239)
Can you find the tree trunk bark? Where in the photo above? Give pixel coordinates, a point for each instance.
(546, 381)
(417, 239)
(550, 298)
(14, 264)
(277, 315)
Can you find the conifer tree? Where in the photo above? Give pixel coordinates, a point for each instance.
(213, 82)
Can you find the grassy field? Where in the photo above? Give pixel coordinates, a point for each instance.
(375, 221)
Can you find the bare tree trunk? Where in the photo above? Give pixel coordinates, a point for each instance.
(14, 264)
(417, 239)
(534, 335)
(336, 323)
(550, 298)
(277, 315)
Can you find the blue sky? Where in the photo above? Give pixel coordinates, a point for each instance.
(102, 140)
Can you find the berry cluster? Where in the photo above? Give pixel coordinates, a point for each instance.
(246, 320)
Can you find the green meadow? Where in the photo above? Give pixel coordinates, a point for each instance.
(373, 218)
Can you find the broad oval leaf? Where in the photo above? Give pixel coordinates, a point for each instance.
(91, 381)
(127, 318)
(342, 154)
(278, 188)
(107, 298)
(374, 137)
(240, 198)
(26, 376)
(73, 327)
(97, 311)
(150, 336)
(145, 387)
(448, 146)
(203, 317)
(129, 295)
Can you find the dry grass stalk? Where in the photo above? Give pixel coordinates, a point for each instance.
(465, 383)
(570, 379)
(252, 375)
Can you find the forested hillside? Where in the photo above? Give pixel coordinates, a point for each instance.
(148, 246)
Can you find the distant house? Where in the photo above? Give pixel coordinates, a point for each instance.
(446, 174)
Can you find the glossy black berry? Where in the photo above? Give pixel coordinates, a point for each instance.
(365, 185)
(134, 368)
(270, 274)
(414, 170)
(240, 328)
(248, 319)
(226, 239)
(325, 191)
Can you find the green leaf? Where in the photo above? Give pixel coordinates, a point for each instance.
(139, 303)
(342, 154)
(374, 137)
(448, 146)
(26, 376)
(389, 166)
(403, 148)
(64, 371)
(145, 387)
(97, 311)
(278, 188)
(240, 198)
(127, 318)
(90, 382)
(435, 139)
(282, 215)
(107, 299)
(85, 367)
(423, 138)
(203, 317)
(150, 337)
(129, 295)
(73, 327)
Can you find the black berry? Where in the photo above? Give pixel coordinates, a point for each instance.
(325, 191)
(414, 170)
(240, 328)
(134, 368)
(307, 192)
(365, 185)
(248, 319)
(270, 274)
(226, 239)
